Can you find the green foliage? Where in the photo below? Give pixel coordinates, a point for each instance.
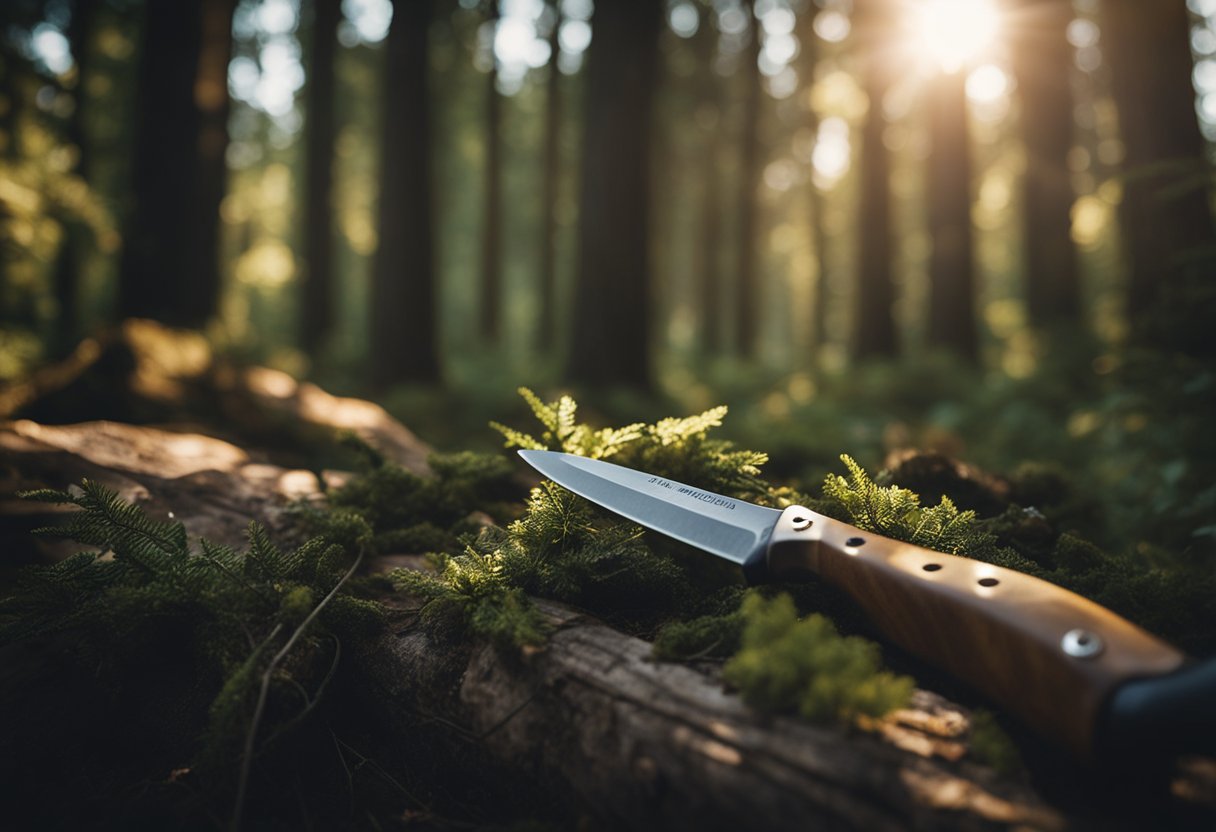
(674, 447)
(558, 549)
(470, 591)
(707, 636)
(562, 547)
(786, 664)
(896, 512)
(414, 514)
(562, 432)
(260, 626)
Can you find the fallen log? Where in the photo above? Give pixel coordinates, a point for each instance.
(636, 744)
(589, 724)
(145, 373)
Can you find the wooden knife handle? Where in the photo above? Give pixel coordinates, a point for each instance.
(1044, 653)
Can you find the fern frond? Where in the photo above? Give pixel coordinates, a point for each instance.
(672, 430)
(46, 495)
(518, 439)
(265, 560)
(896, 512)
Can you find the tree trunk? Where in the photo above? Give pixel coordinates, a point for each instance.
(70, 259)
(319, 300)
(1042, 65)
(546, 336)
(874, 327)
(1150, 59)
(404, 344)
(170, 264)
(707, 249)
(13, 98)
(823, 280)
(952, 323)
(491, 230)
(611, 330)
(823, 267)
(748, 288)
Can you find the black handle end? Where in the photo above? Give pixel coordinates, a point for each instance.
(1161, 717)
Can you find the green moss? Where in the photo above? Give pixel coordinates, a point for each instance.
(707, 636)
(407, 513)
(790, 665)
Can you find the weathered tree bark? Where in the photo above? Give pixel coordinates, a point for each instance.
(874, 333)
(1042, 65)
(952, 321)
(404, 336)
(748, 284)
(1147, 45)
(170, 262)
(491, 224)
(317, 287)
(610, 334)
(546, 328)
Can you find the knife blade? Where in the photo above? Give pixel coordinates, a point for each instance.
(1075, 672)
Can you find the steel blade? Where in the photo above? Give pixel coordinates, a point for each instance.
(730, 528)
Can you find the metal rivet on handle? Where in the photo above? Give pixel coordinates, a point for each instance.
(1081, 644)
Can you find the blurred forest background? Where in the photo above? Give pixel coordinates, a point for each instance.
(980, 226)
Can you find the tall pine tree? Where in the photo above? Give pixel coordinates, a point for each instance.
(1042, 64)
(170, 262)
(317, 304)
(1165, 214)
(874, 325)
(491, 229)
(610, 341)
(404, 336)
(748, 288)
(952, 321)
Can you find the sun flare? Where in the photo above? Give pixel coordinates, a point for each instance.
(955, 32)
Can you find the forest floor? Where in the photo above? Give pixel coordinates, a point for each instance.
(581, 715)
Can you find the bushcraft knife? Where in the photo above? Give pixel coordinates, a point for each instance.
(1072, 670)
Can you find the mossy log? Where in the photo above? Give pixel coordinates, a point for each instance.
(631, 743)
(589, 725)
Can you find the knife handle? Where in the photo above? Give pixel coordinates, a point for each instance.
(1044, 653)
